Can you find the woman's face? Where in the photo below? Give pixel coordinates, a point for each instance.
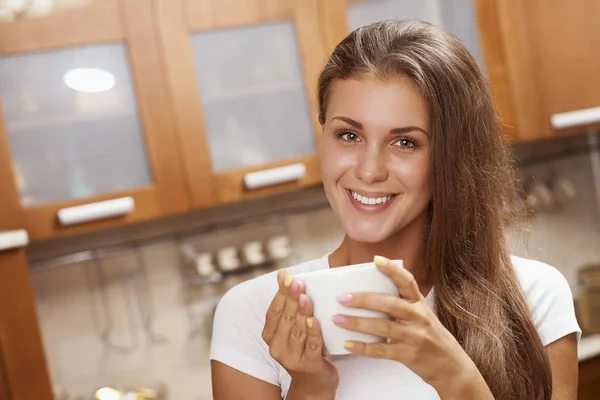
(375, 156)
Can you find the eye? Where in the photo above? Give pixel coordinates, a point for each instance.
(348, 136)
(406, 143)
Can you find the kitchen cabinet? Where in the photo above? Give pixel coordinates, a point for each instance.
(543, 61)
(84, 120)
(539, 65)
(243, 77)
(589, 379)
(23, 371)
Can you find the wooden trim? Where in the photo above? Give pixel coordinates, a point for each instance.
(313, 54)
(178, 62)
(42, 222)
(211, 14)
(520, 65)
(157, 118)
(492, 47)
(9, 194)
(589, 376)
(231, 183)
(5, 391)
(23, 351)
(334, 20)
(95, 23)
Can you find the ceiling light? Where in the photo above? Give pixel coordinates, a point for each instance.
(89, 80)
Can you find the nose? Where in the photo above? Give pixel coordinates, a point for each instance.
(371, 166)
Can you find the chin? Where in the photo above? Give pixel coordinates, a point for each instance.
(367, 234)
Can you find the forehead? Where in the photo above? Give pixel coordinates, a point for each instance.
(378, 102)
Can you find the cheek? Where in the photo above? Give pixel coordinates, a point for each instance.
(335, 160)
(414, 174)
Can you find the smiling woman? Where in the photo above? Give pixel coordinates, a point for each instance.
(415, 168)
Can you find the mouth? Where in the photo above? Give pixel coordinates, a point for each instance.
(371, 202)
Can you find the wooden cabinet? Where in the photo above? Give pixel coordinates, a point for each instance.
(589, 379)
(541, 56)
(543, 60)
(23, 372)
(168, 105)
(243, 77)
(84, 118)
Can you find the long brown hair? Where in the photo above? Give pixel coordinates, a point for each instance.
(478, 297)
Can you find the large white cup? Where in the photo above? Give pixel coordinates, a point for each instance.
(323, 287)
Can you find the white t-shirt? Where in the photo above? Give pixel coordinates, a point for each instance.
(240, 318)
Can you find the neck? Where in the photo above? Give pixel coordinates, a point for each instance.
(407, 245)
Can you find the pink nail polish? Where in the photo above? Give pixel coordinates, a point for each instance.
(345, 298)
(302, 300)
(295, 286)
(339, 319)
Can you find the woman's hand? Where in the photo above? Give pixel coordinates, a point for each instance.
(416, 337)
(295, 341)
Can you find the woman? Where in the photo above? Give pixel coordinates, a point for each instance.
(415, 168)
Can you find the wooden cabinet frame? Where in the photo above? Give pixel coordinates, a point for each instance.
(177, 20)
(104, 21)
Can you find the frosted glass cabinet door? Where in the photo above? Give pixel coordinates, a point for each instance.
(72, 122)
(458, 16)
(253, 95)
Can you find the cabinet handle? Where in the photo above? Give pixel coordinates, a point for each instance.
(575, 118)
(274, 176)
(96, 211)
(13, 239)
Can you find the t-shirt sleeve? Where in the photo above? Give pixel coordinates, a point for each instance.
(237, 334)
(552, 305)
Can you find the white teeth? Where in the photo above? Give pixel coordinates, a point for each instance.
(370, 201)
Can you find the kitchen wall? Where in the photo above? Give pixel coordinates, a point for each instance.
(155, 331)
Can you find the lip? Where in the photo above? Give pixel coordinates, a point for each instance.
(371, 208)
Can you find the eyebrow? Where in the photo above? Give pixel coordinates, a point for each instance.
(395, 131)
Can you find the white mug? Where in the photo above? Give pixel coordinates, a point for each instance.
(323, 287)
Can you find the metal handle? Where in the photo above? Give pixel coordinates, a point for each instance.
(575, 118)
(10, 240)
(96, 211)
(274, 176)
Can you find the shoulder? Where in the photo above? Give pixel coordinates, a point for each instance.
(537, 277)
(533, 273)
(549, 297)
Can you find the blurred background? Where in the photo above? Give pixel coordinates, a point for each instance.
(154, 153)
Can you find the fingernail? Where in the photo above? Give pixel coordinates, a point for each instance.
(288, 280)
(309, 322)
(339, 319)
(295, 286)
(348, 344)
(302, 300)
(380, 260)
(345, 298)
(280, 274)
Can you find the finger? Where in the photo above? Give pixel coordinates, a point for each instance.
(290, 309)
(407, 285)
(305, 304)
(275, 310)
(297, 340)
(383, 328)
(314, 348)
(395, 307)
(373, 350)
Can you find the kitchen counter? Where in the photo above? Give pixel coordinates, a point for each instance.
(589, 347)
